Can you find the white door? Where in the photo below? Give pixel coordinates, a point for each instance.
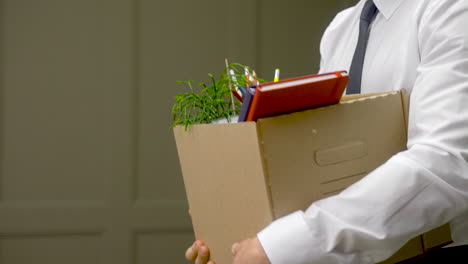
(81, 181)
(88, 165)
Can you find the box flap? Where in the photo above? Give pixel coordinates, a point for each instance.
(341, 153)
(352, 97)
(437, 237)
(410, 250)
(223, 177)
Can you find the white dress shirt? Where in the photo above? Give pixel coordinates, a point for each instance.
(420, 45)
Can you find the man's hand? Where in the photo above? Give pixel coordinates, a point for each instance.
(249, 251)
(199, 253)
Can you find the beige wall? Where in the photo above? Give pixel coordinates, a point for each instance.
(88, 165)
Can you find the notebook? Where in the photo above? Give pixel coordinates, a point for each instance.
(294, 94)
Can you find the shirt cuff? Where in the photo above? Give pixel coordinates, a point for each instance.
(284, 239)
(292, 240)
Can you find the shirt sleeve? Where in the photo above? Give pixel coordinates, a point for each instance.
(414, 191)
(324, 43)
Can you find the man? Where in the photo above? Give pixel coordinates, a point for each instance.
(420, 45)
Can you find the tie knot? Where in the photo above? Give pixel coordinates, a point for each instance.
(368, 11)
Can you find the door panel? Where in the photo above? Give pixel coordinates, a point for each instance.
(88, 165)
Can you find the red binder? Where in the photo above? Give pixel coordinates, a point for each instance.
(299, 93)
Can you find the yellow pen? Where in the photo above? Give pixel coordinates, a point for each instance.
(277, 73)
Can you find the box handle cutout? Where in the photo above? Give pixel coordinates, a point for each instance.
(345, 152)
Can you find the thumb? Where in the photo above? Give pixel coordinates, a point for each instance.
(235, 248)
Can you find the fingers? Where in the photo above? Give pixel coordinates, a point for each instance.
(192, 252)
(203, 255)
(199, 253)
(234, 248)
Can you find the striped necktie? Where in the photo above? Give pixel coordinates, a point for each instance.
(355, 73)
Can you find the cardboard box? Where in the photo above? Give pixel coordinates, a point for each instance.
(239, 177)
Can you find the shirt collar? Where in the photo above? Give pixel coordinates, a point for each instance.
(387, 7)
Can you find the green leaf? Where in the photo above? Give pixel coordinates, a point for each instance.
(211, 101)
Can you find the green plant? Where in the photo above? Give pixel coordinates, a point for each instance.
(210, 102)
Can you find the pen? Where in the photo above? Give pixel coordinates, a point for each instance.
(242, 91)
(251, 80)
(238, 92)
(277, 73)
(256, 82)
(247, 76)
(233, 76)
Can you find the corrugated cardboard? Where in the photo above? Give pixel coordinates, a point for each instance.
(241, 176)
(437, 238)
